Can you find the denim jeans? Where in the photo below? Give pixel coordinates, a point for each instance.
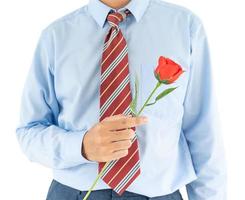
(58, 191)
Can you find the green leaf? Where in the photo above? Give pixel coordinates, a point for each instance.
(133, 104)
(164, 93)
(161, 95)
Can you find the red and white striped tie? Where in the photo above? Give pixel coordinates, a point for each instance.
(115, 98)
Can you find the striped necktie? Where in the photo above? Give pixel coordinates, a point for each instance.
(115, 98)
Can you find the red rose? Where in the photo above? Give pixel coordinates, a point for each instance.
(167, 70)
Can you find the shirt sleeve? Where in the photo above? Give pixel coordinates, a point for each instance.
(201, 123)
(38, 134)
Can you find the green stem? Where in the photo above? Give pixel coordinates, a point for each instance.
(148, 99)
(95, 181)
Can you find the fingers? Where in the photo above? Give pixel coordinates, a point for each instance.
(124, 122)
(115, 151)
(120, 145)
(126, 134)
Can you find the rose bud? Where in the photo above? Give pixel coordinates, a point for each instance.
(167, 71)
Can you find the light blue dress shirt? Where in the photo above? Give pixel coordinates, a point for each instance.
(180, 145)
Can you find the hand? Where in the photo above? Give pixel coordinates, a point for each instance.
(111, 138)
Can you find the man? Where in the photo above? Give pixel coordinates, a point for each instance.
(74, 121)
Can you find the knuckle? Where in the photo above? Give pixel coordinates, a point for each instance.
(123, 153)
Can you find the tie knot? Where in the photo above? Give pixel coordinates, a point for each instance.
(114, 18)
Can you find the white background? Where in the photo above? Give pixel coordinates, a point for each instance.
(20, 26)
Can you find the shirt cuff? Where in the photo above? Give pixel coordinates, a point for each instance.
(73, 147)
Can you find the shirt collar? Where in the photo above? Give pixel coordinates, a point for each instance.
(99, 10)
